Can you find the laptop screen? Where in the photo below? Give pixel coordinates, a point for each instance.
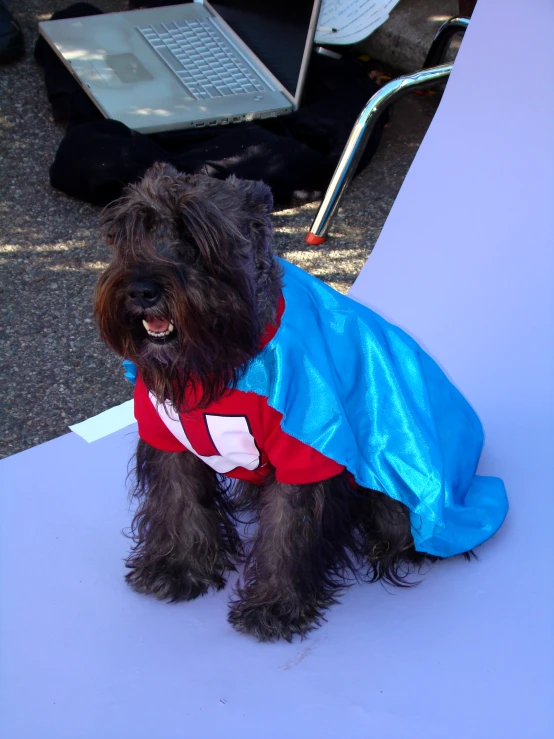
(275, 30)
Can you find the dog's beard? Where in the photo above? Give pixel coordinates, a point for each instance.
(215, 331)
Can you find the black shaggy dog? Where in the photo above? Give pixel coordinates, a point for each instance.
(192, 287)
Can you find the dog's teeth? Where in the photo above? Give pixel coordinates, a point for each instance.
(159, 335)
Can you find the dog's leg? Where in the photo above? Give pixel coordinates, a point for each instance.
(295, 568)
(183, 532)
(387, 542)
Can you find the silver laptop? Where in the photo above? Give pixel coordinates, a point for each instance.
(191, 65)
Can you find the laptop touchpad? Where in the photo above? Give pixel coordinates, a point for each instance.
(128, 68)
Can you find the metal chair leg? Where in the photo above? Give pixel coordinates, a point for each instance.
(359, 137)
(443, 38)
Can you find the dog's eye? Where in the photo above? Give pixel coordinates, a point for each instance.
(188, 252)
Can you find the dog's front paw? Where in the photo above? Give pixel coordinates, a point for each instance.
(168, 581)
(274, 620)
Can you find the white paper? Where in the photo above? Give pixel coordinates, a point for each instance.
(106, 422)
(351, 21)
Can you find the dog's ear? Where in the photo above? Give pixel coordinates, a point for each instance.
(257, 195)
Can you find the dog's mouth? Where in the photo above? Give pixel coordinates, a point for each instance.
(158, 328)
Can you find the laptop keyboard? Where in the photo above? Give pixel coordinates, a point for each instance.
(205, 63)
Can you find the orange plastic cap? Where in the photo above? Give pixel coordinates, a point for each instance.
(315, 240)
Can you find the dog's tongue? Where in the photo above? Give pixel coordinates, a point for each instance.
(157, 325)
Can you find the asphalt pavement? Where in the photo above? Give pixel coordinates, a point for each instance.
(54, 371)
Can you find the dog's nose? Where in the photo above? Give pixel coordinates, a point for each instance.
(144, 292)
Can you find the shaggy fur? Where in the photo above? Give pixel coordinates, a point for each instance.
(199, 251)
(184, 537)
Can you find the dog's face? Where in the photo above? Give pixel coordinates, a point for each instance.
(192, 282)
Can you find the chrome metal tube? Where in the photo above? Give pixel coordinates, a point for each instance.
(358, 139)
(442, 40)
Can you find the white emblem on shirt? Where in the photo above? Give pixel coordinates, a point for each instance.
(230, 435)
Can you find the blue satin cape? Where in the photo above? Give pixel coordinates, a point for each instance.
(362, 392)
